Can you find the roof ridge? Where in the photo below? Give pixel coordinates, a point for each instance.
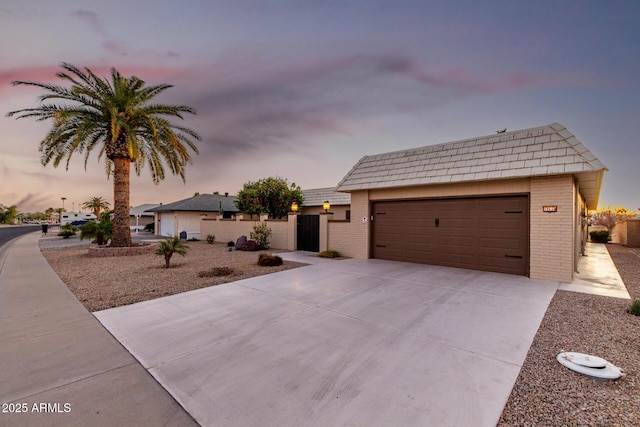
(578, 147)
(500, 137)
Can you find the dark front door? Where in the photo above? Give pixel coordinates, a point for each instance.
(309, 233)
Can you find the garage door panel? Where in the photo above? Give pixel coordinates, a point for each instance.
(458, 241)
(502, 264)
(507, 244)
(488, 233)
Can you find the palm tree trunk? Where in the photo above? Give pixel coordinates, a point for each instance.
(121, 236)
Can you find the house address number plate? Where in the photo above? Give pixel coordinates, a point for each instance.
(550, 209)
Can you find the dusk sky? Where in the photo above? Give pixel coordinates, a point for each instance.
(303, 89)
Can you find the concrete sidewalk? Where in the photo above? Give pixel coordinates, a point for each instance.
(597, 274)
(54, 352)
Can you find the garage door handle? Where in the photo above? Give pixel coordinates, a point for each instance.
(514, 256)
(380, 246)
(437, 222)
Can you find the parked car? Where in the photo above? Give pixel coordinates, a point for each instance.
(79, 223)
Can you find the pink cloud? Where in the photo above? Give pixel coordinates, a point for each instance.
(47, 74)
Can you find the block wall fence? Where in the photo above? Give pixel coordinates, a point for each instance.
(555, 239)
(334, 234)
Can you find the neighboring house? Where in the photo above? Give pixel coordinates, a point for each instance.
(140, 216)
(511, 202)
(185, 215)
(340, 203)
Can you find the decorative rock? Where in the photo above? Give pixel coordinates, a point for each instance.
(249, 245)
(241, 241)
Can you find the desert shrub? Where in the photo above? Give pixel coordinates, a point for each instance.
(67, 231)
(329, 254)
(635, 308)
(266, 260)
(230, 244)
(601, 236)
(217, 272)
(211, 238)
(262, 235)
(249, 245)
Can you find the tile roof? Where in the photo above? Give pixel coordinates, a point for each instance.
(316, 196)
(544, 150)
(200, 203)
(143, 210)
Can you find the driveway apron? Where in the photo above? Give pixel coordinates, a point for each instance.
(351, 342)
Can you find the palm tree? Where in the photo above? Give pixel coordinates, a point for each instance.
(96, 204)
(59, 212)
(169, 246)
(100, 232)
(49, 212)
(117, 118)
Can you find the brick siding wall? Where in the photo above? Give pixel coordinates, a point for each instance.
(552, 234)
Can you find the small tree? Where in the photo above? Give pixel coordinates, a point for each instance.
(262, 235)
(272, 196)
(170, 246)
(608, 217)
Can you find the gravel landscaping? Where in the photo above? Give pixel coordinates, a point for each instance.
(548, 394)
(101, 283)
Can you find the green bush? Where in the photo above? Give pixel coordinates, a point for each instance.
(329, 254)
(635, 308)
(262, 235)
(265, 260)
(600, 236)
(99, 232)
(67, 231)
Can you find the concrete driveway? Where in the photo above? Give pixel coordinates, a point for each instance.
(352, 342)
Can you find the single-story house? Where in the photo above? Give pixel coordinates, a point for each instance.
(185, 215)
(140, 216)
(512, 202)
(340, 203)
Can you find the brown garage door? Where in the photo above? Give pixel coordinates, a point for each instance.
(484, 233)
